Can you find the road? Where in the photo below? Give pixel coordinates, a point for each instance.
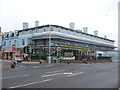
(101, 75)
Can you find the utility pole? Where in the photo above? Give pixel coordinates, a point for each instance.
(49, 58)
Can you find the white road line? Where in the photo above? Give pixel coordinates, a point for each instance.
(30, 83)
(51, 75)
(56, 71)
(68, 73)
(36, 66)
(15, 77)
(75, 74)
(85, 64)
(42, 66)
(48, 65)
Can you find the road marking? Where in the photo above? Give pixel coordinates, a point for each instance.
(36, 66)
(85, 64)
(51, 75)
(57, 74)
(42, 66)
(30, 83)
(56, 71)
(75, 74)
(15, 77)
(48, 65)
(68, 73)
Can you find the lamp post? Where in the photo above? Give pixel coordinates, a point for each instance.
(30, 53)
(49, 58)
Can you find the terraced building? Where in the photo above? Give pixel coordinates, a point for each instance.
(57, 42)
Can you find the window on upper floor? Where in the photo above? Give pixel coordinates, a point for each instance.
(23, 42)
(4, 43)
(68, 31)
(15, 41)
(69, 43)
(44, 29)
(59, 29)
(51, 29)
(30, 32)
(76, 44)
(74, 33)
(9, 43)
(36, 30)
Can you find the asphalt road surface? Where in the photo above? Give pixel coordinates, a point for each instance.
(101, 75)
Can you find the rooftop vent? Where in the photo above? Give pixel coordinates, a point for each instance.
(96, 33)
(85, 30)
(36, 23)
(72, 25)
(105, 36)
(25, 25)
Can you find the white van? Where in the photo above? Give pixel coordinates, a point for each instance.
(18, 57)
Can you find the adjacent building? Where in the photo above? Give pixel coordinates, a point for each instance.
(56, 41)
(1, 35)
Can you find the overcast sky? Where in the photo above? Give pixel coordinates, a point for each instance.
(101, 15)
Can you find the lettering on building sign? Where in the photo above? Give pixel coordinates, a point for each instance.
(68, 54)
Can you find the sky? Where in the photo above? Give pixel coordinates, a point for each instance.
(100, 15)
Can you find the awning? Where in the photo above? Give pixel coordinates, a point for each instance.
(17, 54)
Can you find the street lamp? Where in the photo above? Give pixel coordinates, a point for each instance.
(49, 58)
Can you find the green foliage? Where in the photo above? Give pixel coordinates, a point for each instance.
(38, 57)
(21, 50)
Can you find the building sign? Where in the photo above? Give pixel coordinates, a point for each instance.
(13, 46)
(68, 53)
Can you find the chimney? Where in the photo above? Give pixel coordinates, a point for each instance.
(95, 33)
(72, 25)
(36, 23)
(105, 36)
(25, 25)
(85, 30)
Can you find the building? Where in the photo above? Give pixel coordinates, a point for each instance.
(57, 42)
(1, 34)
